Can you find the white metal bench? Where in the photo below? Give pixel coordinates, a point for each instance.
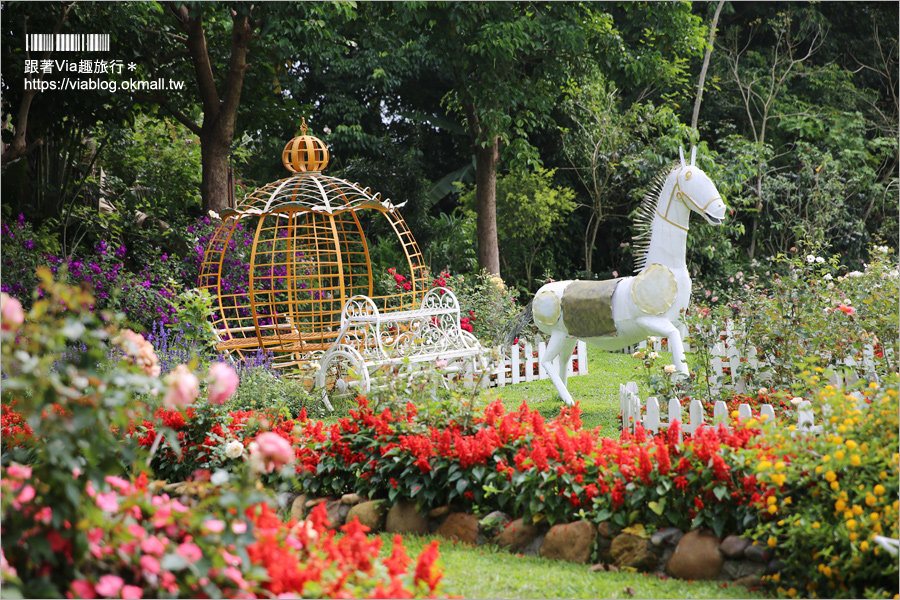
(371, 342)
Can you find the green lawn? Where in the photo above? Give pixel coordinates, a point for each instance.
(486, 572)
(597, 393)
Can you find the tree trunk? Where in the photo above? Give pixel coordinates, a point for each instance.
(214, 148)
(486, 160)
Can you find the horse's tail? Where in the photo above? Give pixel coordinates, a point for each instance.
(514, 326)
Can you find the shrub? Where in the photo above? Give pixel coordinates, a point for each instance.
(82, 519)
(835, 492)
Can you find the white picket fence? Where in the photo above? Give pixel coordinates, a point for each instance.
(727, 363)
(630, 405)
(509, 370)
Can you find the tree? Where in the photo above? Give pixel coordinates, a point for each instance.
(529, 205)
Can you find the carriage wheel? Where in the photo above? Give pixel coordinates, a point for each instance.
(346, 377)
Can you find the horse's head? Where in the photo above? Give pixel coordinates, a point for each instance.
(698, 192)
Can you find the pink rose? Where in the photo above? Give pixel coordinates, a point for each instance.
(846, 309)
(83, 589)
(152, 545)
(107, 502)
(223, 383)
(133, 592)
(214, 525)
(269, 452)
(190, 552)
(11, 312)
(149, 564)
(183, 388)
(139, 351)
(109, 586)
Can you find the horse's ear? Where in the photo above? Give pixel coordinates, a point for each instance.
(694, 156)
(681, 155)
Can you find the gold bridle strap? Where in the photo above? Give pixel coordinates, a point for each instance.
(676, 189)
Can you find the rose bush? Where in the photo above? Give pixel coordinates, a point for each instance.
(81, 518)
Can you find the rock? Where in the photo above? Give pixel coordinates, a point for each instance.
(460, 526)
(667, 552)
(285, 499)
(313, 501)
(605, 530)
(757, 553)
(298, 507)
(669, 536)
(495, 521)
(405, 518)
(371, 514)
(628, 550)
(351, 499)
(534, 548)
(438, 512)
(335, 515)
(749, 581)
(774, 566)
(570, 541)
(733, 546)
(736, 569)
(517, 535)
(696, 556)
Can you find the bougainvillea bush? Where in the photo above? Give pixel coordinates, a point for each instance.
(81, 518)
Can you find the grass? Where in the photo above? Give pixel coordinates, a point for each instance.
(487, 572)
(597, 393)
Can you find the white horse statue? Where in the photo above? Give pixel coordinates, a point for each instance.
(618, 313)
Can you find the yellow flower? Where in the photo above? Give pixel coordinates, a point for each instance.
(851, 524)
(855, 460)
(871, 500)
(835, 485)
(864, 545)
(851, 444)
(857, 509)
(839, 454)
(830, 476)
(772, 541)
(816, 525)
(875, 516)
(772, 509)
(764, 465)
(840, 505)
(818, 469)
(787, 501)
(771, 500)
(826, 458)
(879, 490)
(779, 466)
(848, 514)
(852, 537)
(779, 479)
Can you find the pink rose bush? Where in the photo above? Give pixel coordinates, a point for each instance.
(11, 312)
(153, 545)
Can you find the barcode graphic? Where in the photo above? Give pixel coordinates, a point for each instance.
(67, 42)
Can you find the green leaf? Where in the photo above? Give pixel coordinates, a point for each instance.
(603, 514)
(658, 507)
(720, 491)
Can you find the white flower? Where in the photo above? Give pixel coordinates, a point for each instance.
(855, 274)
(894, 273)
(638, 354)
(763, 391)
(669, 369)
(653, 355)
(652, 339)
(827, 277)
(820, 260)
(796, 400)
(233, 449)
(810, 258)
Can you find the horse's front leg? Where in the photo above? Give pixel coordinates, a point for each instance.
(665, 328)
(558, 342)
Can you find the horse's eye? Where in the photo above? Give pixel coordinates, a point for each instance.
(687, 175)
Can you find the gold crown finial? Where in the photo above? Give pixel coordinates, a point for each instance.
(305, 153)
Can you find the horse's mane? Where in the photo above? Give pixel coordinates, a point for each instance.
(643, 218)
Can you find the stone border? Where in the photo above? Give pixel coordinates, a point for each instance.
(669, 552)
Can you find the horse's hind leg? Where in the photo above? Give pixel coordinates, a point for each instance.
(564, 354)
(558, 341)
